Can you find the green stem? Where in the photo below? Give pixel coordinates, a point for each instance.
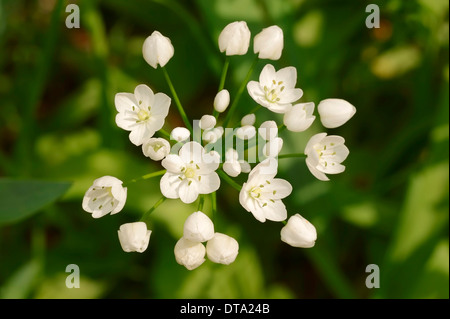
(229, 180)
(281, 128)
(147, 176)
(256, 108)
(214, 205)
(146, 216)
(222, 81)
(239, 93)
(164, 133)
(177, 100)
(201, 202)
(291, 155)
(224, 74)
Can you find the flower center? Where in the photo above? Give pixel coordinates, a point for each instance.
(275, 89)
(143, 115)
(190, 172)
(255, 192)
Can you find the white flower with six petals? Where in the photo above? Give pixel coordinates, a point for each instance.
(106, 195)
(190, 173)
(275, 89)
(143, 113)
(262, 193)
(325, 155)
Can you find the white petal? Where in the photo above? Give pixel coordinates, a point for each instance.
(290, 96)
(317, 174)
(144, 96)
(267, 75)
(125, 102)
(288, 75)
(139, 134)
(173, 164)
(188, 191)
(209, 183)
(315, 139)
(169, 185)
(161, 104)
(275, 211)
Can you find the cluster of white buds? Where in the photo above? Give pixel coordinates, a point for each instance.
(190, 250)
(196, 159)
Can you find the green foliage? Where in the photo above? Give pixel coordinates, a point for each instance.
(390, 207)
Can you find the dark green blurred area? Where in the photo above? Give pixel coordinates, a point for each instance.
(390, 207)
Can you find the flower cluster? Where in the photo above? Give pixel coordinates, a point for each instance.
(197, 158)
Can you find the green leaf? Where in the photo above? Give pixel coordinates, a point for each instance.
(22, 198)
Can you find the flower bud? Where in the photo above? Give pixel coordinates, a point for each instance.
(134, 237)
(189, 254)
(156, 148)
(249, 119)
(180, 134)
(273, 147)
(221, 101)
(157, 49)
(198, 227)
(212, 135)
(269, 43)
(207, 122)
(335, 112)
(222, 249)
(246, 132)
(299, 118)
(268, 130)
(235, 38)
(298, 232)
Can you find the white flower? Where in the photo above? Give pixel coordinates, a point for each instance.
(299, 118)
(246, 132)
(198, 227)
(189, 254)
(273, 147)
(268, 130)
(221, 101)
(134, 237)
(212, 135)
(275, 89)
(325, 155)
(222, 249)
(106, 195)
(262, 193)
(249, 119)
(180, 134)
(235, 38)
(269, 43)
(335, 112)
(232, 165)
(157, 49)
(143, 113)
(298, 232)
(156, 148)
(190, 173)
(207, 122)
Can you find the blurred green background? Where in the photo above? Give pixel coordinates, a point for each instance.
(57, 133)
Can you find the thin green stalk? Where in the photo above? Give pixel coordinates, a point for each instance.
(224, 74)
(164, 133)
(291, 155)
(256, 108)
(229, 180)
(239, 93)
(201, 202)
(144, 177)
(222, 81)
(214, 206)
(146, 216)
(177, 100)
